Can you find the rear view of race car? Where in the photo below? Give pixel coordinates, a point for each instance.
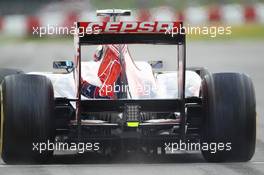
(139, 105)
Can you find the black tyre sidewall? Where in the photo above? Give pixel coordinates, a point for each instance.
(5, 72)
(230, 115)
(28, 104)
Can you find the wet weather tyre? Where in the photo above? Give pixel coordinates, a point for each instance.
(230, 117)
(28, 109)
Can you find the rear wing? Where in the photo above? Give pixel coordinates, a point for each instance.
(130, 33)
(97, 33)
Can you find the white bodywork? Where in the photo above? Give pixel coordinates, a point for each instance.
(159, 86)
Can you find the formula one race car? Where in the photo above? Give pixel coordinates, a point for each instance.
(136, 95)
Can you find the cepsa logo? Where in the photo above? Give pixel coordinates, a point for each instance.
(126, 27)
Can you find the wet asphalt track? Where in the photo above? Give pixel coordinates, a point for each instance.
(241, 56)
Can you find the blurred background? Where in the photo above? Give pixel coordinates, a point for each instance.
(17, 17)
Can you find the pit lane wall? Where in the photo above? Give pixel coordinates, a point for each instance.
(232, 14)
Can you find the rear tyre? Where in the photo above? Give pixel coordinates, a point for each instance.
(27, 108)
(230, 117)
(5, 72)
